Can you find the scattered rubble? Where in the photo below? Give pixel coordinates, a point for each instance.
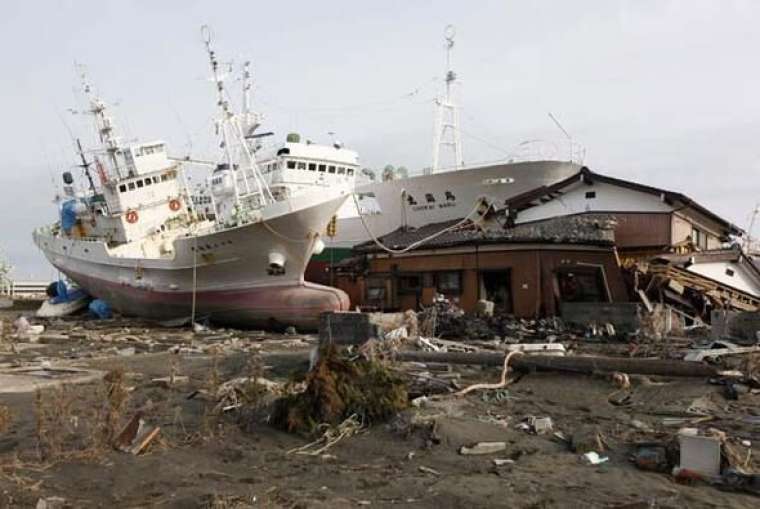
(587, 399)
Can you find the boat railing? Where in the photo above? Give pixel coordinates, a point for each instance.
(547, 150)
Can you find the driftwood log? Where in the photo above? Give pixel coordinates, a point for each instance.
(573, 364)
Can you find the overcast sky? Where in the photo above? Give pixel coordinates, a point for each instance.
(663, 92)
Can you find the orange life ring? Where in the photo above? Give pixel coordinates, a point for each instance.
(174, 204)
(132, 216)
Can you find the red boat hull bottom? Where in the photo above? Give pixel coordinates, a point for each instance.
(274, 307)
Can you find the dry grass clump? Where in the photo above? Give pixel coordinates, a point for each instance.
(338, 388)
(69, 423)
(6, 417)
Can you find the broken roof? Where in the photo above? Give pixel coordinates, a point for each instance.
(592, 229)
(732, 257)
(542, 194)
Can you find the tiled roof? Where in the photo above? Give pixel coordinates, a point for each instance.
(588, 229)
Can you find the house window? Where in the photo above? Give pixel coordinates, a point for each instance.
(409, 283)
(699, 238)
(376, 291)
(291, 165)
(582, 284)
(590, 195)
(449, 282)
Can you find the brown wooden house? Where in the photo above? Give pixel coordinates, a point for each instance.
(526, 270)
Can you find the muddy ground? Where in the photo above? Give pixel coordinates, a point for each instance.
(237, 459)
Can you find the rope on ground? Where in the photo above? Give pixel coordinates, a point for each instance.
(331, 436)
(419, 242)
(503, 383)
(623, 381)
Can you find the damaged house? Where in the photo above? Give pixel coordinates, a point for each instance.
(650, 220)
(564, 242)
(525, 270)
(682, 254)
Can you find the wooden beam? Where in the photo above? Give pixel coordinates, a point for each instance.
(571, 364)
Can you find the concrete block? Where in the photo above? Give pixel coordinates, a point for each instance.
(624, 316)
(699, 453)
(31, 378)
(347, 328)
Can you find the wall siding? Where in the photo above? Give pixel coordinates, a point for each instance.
(532, 275)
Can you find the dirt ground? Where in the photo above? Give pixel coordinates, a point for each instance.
(49, 447)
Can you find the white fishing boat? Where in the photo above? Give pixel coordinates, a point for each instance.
(135, 238)
(447, 190)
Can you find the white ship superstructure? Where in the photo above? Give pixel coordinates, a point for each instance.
(135, 238)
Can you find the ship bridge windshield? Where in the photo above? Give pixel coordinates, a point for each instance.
(322, 166)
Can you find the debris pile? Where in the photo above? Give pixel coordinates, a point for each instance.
(339, 387)
(445, 319)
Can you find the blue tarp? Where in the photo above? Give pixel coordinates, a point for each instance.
(65, 294)
(100, 309)
(68, 215)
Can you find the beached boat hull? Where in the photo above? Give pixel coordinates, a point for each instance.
(229, 271)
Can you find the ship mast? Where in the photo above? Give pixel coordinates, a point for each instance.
(85, 166)
(446, 134)
(103, 123)
(232, 122)
(250, 118)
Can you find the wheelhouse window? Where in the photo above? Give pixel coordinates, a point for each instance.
(322, 167)
(312, 167)
(291, 165)
(350, 172)
(140, 183)
(123, 188)
(148, 182)
(331, 169)
(301, 166)
(131, 186)
(341, 170)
